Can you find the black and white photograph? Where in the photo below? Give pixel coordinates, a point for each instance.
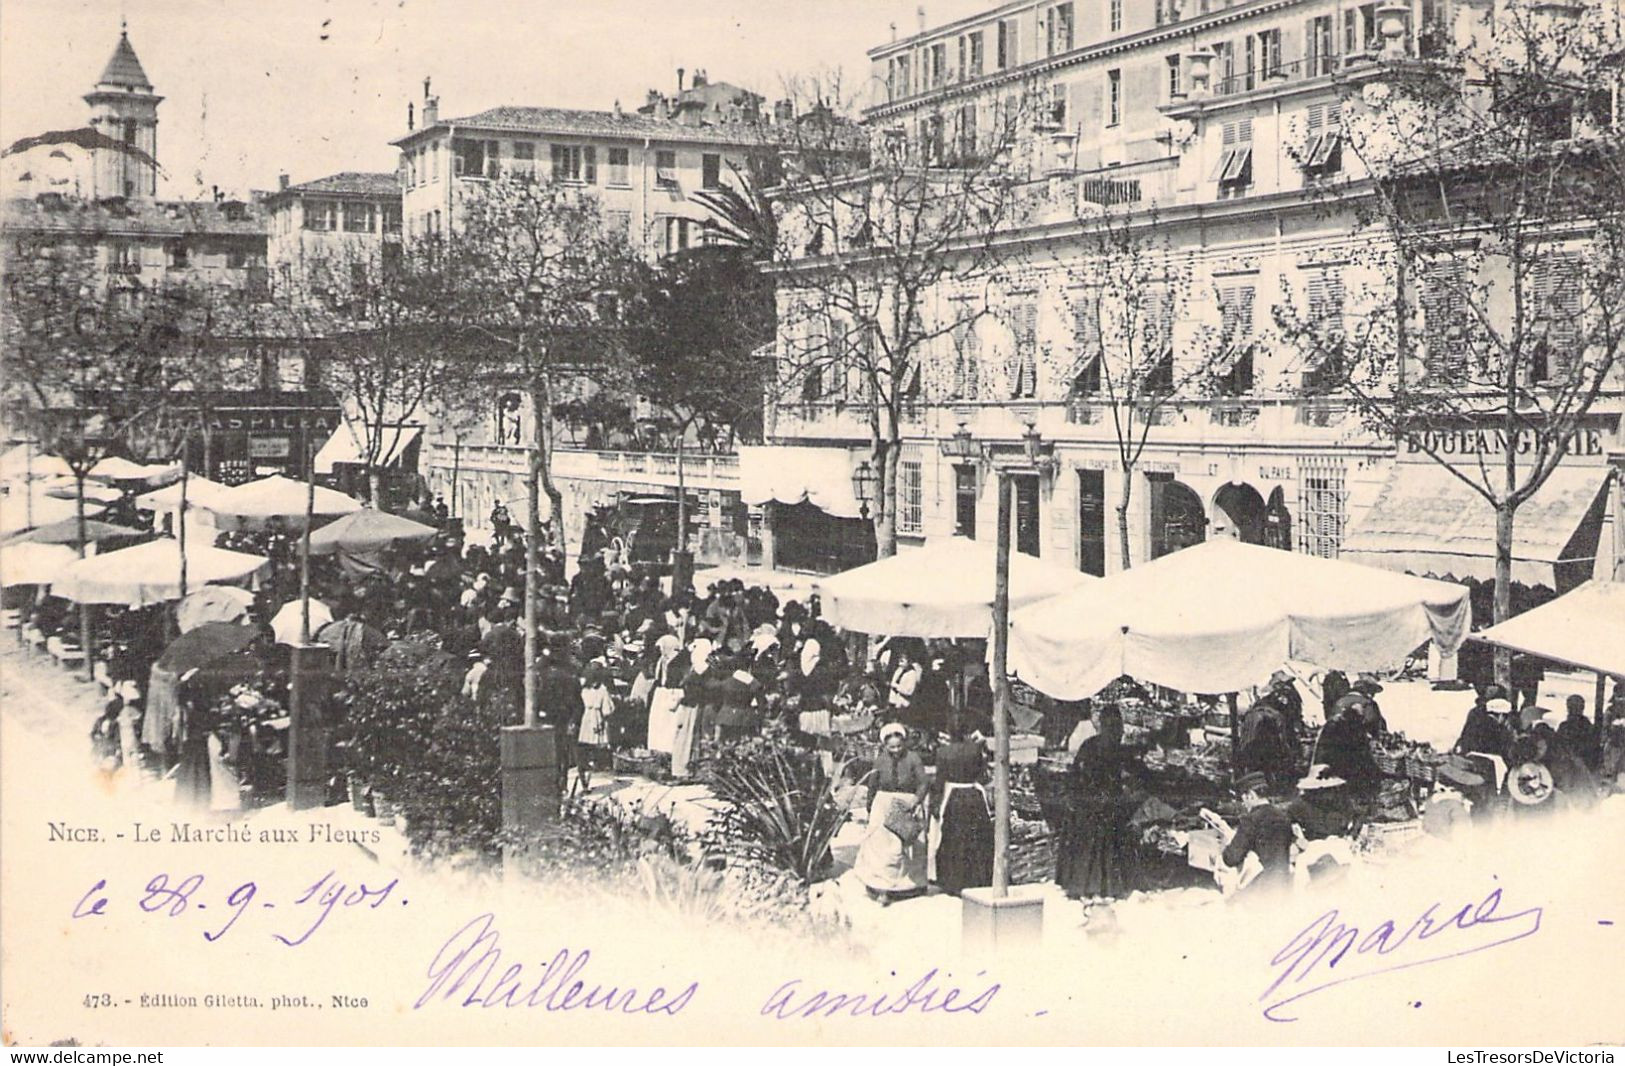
(799, 523)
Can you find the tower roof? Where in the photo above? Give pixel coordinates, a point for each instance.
(124, 69)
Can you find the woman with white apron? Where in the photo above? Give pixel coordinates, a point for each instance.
(695, 689)
(961, 836)
(891, 860)
(668, 693)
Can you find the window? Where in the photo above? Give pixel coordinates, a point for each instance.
(392, 218)
(1557, 315)
(1092, 522)
(130, 129)
(1444, 320)
(1320, 52)
(1027, 513)
(1008, 53)
(1235, 170)
(977, 48)
(321, 215)
(1024, 373)
(931, 141)
(619, 166)
(1236, 332)
(476, 159)
(1323, 152)
(666, 168)
(1114, 16)
(618, 222)
(936, 65)
(1269, 53)
(1059, 27)
(1322, 506)
(675, 233)
(1324, 287)
(239, 259)
(524, 161)
(1176, 85)
(911, 493)
(177, 254)
(967, 132)
(1360, 29)
(575, 163)
(1056, 112)
(967, 357)
(1086, 380)
(358, 218)
(898, 78)
(1167, 12)
(711, 171)
(1114, 97)
(965, 501)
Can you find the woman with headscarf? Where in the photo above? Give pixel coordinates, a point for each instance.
(1094, 848)
(891, 862)
(961, 835)
(696, 698)
(669, 671)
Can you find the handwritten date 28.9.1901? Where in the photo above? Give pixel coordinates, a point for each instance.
(191, 897)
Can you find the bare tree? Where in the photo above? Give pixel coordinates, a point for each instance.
(872, 226)
(1493, 253)
(531, 295)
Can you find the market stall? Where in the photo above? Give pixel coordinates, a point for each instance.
(150, 573)
(275, 500)
(1584, 627)
(1221, 616)
(944, 589)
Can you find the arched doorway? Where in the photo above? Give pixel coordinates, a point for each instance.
(1240, 509)
(1277, 521)
(1178, 519)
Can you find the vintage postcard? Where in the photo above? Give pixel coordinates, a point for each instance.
(803, 522)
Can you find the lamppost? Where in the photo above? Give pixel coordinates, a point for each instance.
(864, 482)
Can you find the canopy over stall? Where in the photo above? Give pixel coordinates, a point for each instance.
(344, 447)
(151, 573)
(25, 461)
(1220, 616)
(200, 492)
(1585, 627)
(67, 532)
(213, 603)
(117, 468)
(257, 503)
(67, 488)
(30, 563)
(1427, 521)
(942, 590)
(367, 530)
(28, 507)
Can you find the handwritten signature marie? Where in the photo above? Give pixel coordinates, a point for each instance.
(1328, 953)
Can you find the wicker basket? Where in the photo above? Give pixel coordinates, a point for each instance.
(1392, 764)
(1421, 768)
(647, 764)
(1032, 853)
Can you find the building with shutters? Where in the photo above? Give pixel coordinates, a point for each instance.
(1227, 123)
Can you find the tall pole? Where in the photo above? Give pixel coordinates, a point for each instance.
(304, 541)
(28, 479)
(180, 521)
(1001, 697)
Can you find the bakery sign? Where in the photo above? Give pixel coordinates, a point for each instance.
(1585, 444)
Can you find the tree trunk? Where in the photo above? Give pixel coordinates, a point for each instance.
(208, 448)
(543, 398)
(533, 584)
(1122, 517)
(1503, 587)
(682, 568)
(375, 486)
(885, 513)
(1001, 694)
(85, 641)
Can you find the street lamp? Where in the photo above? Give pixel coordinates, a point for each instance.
(962, 445)
(864, 482)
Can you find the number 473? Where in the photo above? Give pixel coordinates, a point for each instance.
(98, 999)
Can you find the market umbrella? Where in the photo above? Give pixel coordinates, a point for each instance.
(289, 620)
(213, 603)
(67, 532)
(34, 564)
(256, 503)
(942, 590)
(200, 492)
(150, 573)
(1585, 626)
(1222, 615)
(117, 468)
(66, 488)
(31, 508)
(366, 530)
(27, 463)
(205, 645)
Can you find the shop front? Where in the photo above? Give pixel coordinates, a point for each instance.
(256, 434)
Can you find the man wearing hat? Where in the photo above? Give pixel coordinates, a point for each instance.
(1486, 730)
(1321, 807)
(1265, 831)
(1368, 686)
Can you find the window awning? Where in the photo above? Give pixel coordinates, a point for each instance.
(1426, 521)
(342, 447)
(792, 475)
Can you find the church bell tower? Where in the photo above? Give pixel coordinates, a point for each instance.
(125, 109)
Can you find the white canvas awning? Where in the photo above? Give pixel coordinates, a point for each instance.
(151, 573)
(944, 589)
(1426, 521)
(343, 447)
(793, 474)
(200, 491)
(1221, 616)
(275, 497)
(1585, 627)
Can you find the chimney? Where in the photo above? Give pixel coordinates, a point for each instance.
(216, 190)
(410, 114)
(784, 111)
(618, 107)
(919, 17)
(431, 111)
(679, 79)
(893, 33)
(282, 182)
(652, 99)
(700, 80)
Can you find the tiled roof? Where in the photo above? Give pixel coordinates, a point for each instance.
(124, 68)
(46, 214)
(85, 137)
(356, 183)
(601, 124)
